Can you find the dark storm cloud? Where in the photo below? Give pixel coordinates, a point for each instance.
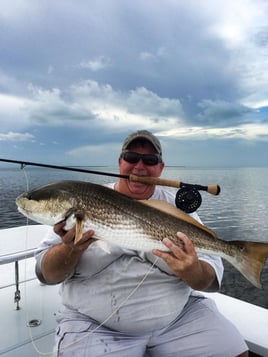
(96, 70)
(221, 113)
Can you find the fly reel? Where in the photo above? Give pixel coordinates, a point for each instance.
(188, 199)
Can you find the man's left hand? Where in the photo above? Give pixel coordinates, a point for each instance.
(184, 263)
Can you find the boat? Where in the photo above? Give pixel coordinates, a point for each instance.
(28, 308)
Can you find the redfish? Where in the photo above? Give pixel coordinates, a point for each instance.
(132, 224)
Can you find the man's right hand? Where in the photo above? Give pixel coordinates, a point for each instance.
(60, 260)
(69, 236)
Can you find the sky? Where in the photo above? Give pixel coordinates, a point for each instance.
(76, 77)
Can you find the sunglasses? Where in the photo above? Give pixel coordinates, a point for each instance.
(134, 157)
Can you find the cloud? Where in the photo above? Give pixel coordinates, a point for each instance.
(50, 69)
(183, 69)
(7, 82)
(256, 101)
(93, 106)
(51, 108)
(11, 136)
(104, 153)
(11, 112)
(249, 132)
(89, 101)
(222, 113)
(92, 149)
(147, 56)
(96, 64)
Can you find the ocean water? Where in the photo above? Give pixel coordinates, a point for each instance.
(238, 213)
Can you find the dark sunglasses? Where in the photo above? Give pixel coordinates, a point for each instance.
(134, 157)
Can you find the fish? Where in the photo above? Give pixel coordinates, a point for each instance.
(139, 225)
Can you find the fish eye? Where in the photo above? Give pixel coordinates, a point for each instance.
(241, 248)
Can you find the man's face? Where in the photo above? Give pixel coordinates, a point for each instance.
(135, 189)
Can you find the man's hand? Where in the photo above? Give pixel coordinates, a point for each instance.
(184, 263)
(68, 237)
(60, 260)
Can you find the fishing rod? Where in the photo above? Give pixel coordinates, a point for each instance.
(66, 168)
(188, 197)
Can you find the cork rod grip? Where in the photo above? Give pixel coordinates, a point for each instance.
(212, 189)
(154, 181)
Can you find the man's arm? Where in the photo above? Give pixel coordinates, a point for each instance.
(59, 260)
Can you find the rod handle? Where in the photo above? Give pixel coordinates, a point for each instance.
(154, 181)
(212, 189)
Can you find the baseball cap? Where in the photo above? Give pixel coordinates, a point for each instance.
(143, 134)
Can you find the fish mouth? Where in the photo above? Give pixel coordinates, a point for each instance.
(24, 211)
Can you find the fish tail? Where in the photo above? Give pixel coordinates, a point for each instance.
(251, 260)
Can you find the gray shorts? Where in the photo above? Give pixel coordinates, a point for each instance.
(200, 330)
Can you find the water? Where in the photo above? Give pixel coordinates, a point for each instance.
(238, 213)
(14, 181)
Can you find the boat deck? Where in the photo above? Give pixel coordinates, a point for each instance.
(38, 303)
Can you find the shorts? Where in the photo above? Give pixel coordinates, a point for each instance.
(200, 330)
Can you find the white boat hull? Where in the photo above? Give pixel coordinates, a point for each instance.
(39, 303)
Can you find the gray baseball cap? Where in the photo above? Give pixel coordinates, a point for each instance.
(146, 135)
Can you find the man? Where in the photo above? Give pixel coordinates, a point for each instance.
(129, 303)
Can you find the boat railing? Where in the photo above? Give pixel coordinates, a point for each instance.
(19, 244)
(15, 258)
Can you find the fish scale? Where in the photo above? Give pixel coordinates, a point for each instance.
(132, 224)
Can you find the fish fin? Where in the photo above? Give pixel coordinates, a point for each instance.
(177, 213)
(79, 225)
(254, 255)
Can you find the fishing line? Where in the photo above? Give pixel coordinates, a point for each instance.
(114, 312)
(27, 317)
(105, 321)
(188, 199)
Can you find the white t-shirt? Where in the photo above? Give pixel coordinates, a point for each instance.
(103, 285)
